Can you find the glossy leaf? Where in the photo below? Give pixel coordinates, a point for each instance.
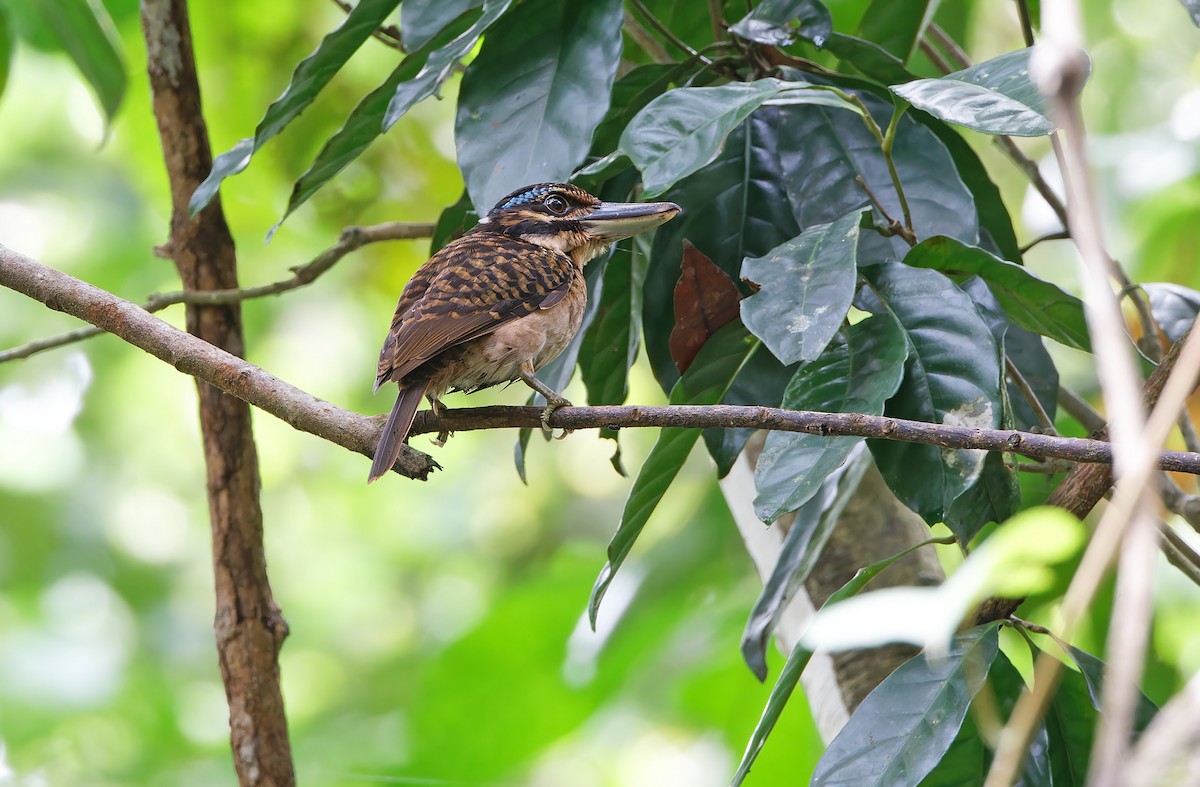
(797, 660)
(440, 64)
(805, 540)
(731, 210)
(611, 344)
(535, 93)
(901, 730)
(824, 152)
(683, 130)
(1092, 670)
(85, 31)
(630, 94)
(455, 220)
(994, 97)
(780, 22)
(761, 382)
(704, 383)
(422, 20)
(308, 79)
(870, 58)
(1193, 9)
(705, 300)
(1174, 307)
(806, 286)
(1030, 302)
(897, 25)
(1071, 725)
(856, 374)
(952, 377)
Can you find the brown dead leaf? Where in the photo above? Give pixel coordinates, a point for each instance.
(705, 300)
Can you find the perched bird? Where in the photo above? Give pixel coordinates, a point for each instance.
(500, 302)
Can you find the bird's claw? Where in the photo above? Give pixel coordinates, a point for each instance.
(552, 405)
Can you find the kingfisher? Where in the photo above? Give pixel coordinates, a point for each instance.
(500, 302)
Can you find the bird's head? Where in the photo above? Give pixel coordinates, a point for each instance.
(569, 220)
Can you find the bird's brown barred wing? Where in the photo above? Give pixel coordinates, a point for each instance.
(481, 283)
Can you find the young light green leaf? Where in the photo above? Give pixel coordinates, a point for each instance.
(684, 129)
(994, 97)
(704, 383)
(856, 375)
(780, 22)
(1032, 303)
(308, 80)
(440, 63)
(806, 286)
(797, 660)
(538, 127)
(953, 377)
(86, 33)
(422, 20)
(901, 730)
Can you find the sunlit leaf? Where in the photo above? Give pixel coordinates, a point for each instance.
(531, 99)
(901, 730)
(422, 20)
(806, 286)
(780, 22)
(704, 383)
(440, 63)
(1030, 302)
(683, 130)
(308, 79)
(85, 31)
(994, 97)
(953, 377)
(855, 375)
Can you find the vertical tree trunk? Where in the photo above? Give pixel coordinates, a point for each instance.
(249, 626)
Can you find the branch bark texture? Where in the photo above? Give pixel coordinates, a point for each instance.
(249, 627)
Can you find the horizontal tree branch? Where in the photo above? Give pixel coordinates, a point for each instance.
(351, 239)
(359, 433)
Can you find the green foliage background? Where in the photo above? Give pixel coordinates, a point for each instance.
(437, 629)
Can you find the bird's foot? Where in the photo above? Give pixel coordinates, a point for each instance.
(438, 409)
(553, 404)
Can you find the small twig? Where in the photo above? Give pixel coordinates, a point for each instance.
(1048, 467)
(943, 65)
(1188, 430)
(1060, 235)
(1034, 173)
(665, 31)
(388, 35)
(641, 36)
(351, 239)
(717, 19)
(1026, 390)
(1026, 21)
(1179, 553)
(1078, 408)
(889, 140)
(1186, 506)
(949, 46)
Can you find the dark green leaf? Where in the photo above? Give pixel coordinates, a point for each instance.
(779, 22)
(806, 538)
(422, 20)
(796, 662)
(86, 33)
(440, 63)
(704, 383)
(557, 374)
(855, 375)
(806, 286)
(760, 382)
(1193, 9)
(1174, 307)
(454, 221)
(611, 344)
(952, 377)
(731, 210)
(870, 58)
(901, 730)
(1030, 302)
(993, 497)
(630, 94)
(1071, 726)
(995, 97)
(308, 80)
(824, 153)
(1092, 670)
(996, 227)
(897, 25)
(533, 96)
(684, 129)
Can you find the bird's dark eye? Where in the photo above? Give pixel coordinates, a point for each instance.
(556, 204)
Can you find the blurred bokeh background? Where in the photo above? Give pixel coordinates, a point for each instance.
(437, 628)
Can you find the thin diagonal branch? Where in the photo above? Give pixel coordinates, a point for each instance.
(351, 239)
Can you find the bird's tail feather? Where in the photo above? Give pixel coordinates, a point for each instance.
(395, 431)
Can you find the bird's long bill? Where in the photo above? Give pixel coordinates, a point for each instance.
(612, 221)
